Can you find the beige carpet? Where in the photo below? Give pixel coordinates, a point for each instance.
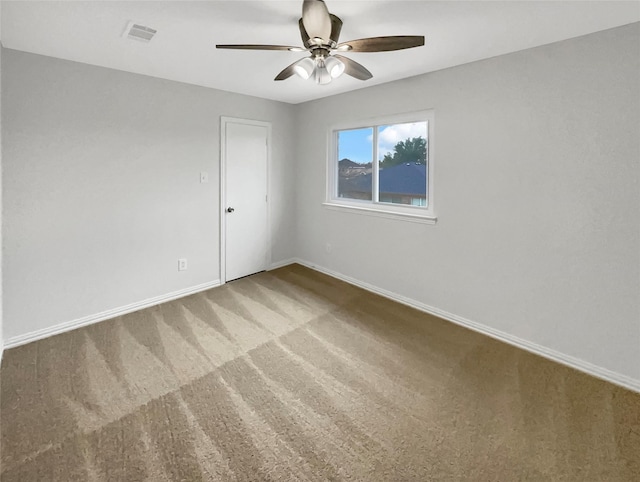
(292, 375)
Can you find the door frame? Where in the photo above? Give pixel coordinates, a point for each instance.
(224, 120)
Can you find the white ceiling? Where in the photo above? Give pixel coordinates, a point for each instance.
(184, 47)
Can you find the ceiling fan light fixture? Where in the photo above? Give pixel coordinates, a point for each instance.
(334, 66)
(304, 68)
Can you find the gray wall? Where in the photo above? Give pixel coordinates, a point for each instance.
(102, 187)
(536, 192)
(1, 304)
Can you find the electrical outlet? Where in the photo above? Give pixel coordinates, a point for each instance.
(204, 177)
(182, 264)
(327, 247)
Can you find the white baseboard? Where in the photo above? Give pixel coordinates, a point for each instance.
(105, 315)
(578, 364)
(280, 264)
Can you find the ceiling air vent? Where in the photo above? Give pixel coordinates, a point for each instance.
(139, 32)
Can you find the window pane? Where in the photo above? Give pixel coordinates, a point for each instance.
(402, 157)
(355, 156)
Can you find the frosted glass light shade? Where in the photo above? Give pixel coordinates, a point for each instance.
(304, 68)
(322, 75)
(334, 66)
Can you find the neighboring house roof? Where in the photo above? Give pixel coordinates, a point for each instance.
(410, 179)
(346, 163)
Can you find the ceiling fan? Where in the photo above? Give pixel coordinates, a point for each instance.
(320, 31)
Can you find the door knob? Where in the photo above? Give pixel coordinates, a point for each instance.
(230, 210)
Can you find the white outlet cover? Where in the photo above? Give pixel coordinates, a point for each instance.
(182, 264)
(204, 177)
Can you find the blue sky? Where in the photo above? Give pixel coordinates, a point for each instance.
(357, 144)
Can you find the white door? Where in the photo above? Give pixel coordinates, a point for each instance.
(244, 161)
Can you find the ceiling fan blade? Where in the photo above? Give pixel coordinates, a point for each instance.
(336, 27)
(382, 44)
(287, 72)
(316, 19)
(354, 69)
(303, 34)
(261, 47)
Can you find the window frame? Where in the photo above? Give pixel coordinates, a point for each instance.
(375, 207)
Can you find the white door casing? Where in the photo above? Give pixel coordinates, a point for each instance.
(244, 243)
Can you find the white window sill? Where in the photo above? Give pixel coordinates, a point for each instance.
(382, 213)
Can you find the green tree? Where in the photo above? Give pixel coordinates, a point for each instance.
(410, 150)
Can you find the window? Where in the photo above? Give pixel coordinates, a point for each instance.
(383, 167)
